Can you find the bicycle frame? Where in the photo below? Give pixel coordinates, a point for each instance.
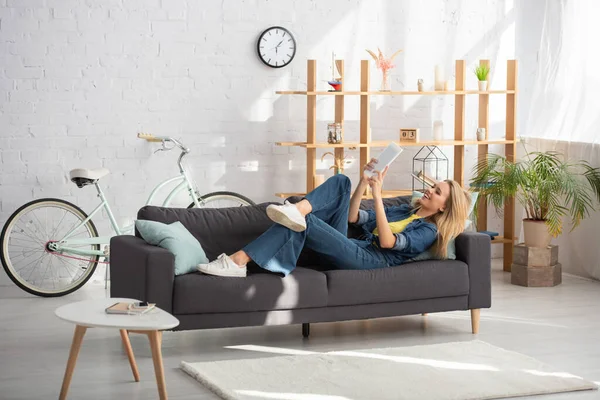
(63, 245)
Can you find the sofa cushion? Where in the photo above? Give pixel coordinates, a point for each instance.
(413, 281)
(219, 230)
(197, 293)
(178, 240)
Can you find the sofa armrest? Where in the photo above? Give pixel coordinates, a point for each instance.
(474, 249)
(141, 271)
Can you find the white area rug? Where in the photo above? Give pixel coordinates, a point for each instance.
(449, 371)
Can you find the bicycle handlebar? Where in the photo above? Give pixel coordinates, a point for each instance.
(162, 139)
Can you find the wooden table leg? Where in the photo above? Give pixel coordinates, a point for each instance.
(129, 351)
(475, 313)
(155, 344)
(75, 346)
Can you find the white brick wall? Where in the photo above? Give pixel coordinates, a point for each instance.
(79, 79)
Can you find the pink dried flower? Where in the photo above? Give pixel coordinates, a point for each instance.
(381, 62)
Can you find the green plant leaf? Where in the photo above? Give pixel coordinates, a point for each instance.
(482, 71)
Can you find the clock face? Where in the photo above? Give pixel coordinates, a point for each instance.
(276, 47)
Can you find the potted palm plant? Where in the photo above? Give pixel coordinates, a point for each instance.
(547, 187)
(481, 72)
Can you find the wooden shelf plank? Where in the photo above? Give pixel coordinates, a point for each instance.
(300, 144)
(384, 143)
(503, 241)
(395, 93)
(286, 195)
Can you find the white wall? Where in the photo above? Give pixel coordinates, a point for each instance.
(78, 80)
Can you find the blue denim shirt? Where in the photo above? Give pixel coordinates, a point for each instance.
(417, 237)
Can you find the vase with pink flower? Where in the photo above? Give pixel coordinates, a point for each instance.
(385, 65)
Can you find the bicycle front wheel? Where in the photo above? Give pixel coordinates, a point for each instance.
(30, 248)
(223, 200)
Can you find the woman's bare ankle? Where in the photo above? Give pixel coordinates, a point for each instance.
(241, 258)
(304, 207)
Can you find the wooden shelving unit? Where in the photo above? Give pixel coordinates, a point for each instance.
(365, 143)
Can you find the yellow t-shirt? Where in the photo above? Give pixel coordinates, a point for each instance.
(399, 226)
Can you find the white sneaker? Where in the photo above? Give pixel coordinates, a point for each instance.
(223, 266)
(288, 216)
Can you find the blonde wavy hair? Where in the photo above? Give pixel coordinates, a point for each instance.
(450, 222)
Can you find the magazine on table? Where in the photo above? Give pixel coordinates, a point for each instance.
(130, 308)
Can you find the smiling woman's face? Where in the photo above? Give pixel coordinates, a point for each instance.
(434, 199)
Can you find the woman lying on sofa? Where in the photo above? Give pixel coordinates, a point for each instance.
(392, 235)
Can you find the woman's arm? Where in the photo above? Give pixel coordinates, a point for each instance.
(417, 240)
(353, 213)
(387, 239)
(355, 201)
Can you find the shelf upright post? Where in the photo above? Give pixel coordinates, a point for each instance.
(311, 124)
(365, 115)
(510, 153)
(482, 149)
(339, 113)
(459, 123)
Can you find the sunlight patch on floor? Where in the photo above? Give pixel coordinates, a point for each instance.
(290, 396)
(491, 317)
(420, 361)
(273, 350)
(552, 374)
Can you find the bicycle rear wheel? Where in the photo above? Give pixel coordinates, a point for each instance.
(27, 247)
(223, 200)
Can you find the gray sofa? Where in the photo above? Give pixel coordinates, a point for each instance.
(312, 293)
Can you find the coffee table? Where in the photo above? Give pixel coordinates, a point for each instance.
(90, 314)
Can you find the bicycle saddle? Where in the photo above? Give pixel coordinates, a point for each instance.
(84, 176)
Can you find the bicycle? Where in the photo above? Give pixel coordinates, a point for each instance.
(50, 259)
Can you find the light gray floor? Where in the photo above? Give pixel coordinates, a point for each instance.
(559, 326)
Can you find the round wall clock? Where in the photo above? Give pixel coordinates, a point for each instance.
(276, 47)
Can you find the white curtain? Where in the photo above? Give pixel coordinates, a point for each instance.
(565, 111)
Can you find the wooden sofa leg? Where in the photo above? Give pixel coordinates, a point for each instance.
(475, 320)
(424, 314)
(305, 330)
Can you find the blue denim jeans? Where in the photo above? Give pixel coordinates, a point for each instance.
(278, 249)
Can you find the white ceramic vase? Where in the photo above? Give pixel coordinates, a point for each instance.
(482, 85)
